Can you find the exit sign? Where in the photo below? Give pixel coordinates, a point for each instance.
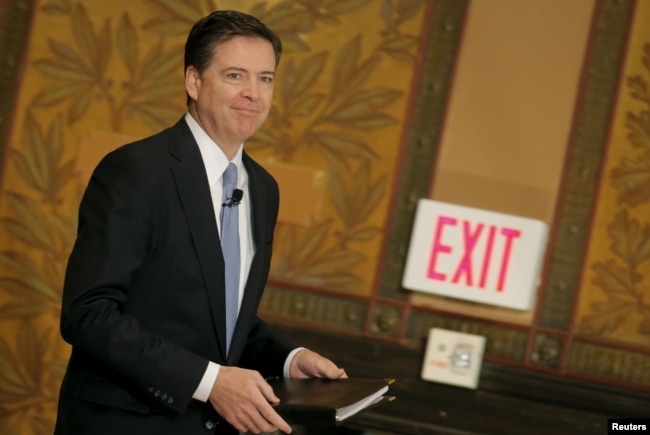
(476, 255)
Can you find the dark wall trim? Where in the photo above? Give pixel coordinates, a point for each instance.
(422, 135)
(584, 161)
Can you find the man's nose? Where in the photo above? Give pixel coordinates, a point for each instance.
(252, 89)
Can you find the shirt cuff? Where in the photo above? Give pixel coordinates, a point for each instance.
(287, 362)
(204, 389)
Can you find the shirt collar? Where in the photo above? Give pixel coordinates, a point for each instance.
(214, 159)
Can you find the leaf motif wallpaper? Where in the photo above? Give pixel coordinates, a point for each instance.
(98, 74)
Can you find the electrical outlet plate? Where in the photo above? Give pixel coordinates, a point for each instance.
(453, 358)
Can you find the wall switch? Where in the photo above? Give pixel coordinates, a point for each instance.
(453, 358)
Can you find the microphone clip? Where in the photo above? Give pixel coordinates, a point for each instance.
(235, 199)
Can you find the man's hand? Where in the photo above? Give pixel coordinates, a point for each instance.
(244, 399)
(308, 364)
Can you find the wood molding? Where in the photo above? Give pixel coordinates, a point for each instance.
(422, 135)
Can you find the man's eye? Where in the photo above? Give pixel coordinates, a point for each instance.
(234, 76)
(267, 79)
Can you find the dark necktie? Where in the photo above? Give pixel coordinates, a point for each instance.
(230, 249)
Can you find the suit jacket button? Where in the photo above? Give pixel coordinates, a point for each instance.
(163, 396)
(157, 393)
(170, 400)
(150, 389)
(209, 425)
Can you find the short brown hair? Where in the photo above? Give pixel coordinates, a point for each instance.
(222, 26)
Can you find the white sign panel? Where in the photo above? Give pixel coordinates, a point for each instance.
(473, 254)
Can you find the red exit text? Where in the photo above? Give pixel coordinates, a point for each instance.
(488, 261)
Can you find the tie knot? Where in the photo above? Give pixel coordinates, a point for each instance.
(230, 175)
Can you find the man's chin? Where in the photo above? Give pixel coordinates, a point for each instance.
(247, 131)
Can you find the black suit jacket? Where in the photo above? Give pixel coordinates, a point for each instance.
(143, 299)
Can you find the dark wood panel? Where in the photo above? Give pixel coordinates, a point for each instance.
(508, 400)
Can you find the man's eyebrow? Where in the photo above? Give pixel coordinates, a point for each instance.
(240, 69)
(233, 68)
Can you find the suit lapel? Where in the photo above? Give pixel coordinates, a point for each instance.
(194, 192)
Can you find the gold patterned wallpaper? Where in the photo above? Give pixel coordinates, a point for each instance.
(98, 74)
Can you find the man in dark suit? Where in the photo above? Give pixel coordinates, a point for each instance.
(144, 299)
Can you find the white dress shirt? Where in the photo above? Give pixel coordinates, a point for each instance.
(215, 162)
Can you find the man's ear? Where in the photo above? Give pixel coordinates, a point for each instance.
(192, 82)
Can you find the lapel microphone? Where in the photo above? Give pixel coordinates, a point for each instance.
(237, 195)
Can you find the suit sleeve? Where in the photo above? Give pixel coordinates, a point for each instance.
(266, 351)
(113, 241)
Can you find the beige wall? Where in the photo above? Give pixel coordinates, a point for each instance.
(511, 108)
(510, 113)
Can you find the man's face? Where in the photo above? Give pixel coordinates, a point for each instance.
(232, 98)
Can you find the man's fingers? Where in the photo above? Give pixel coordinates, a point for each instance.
(272, 417)
(244, 399)
(251, 418)
(257, 423)
(309, 364)
(267, 410)
(268, 393)
(261, 417)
